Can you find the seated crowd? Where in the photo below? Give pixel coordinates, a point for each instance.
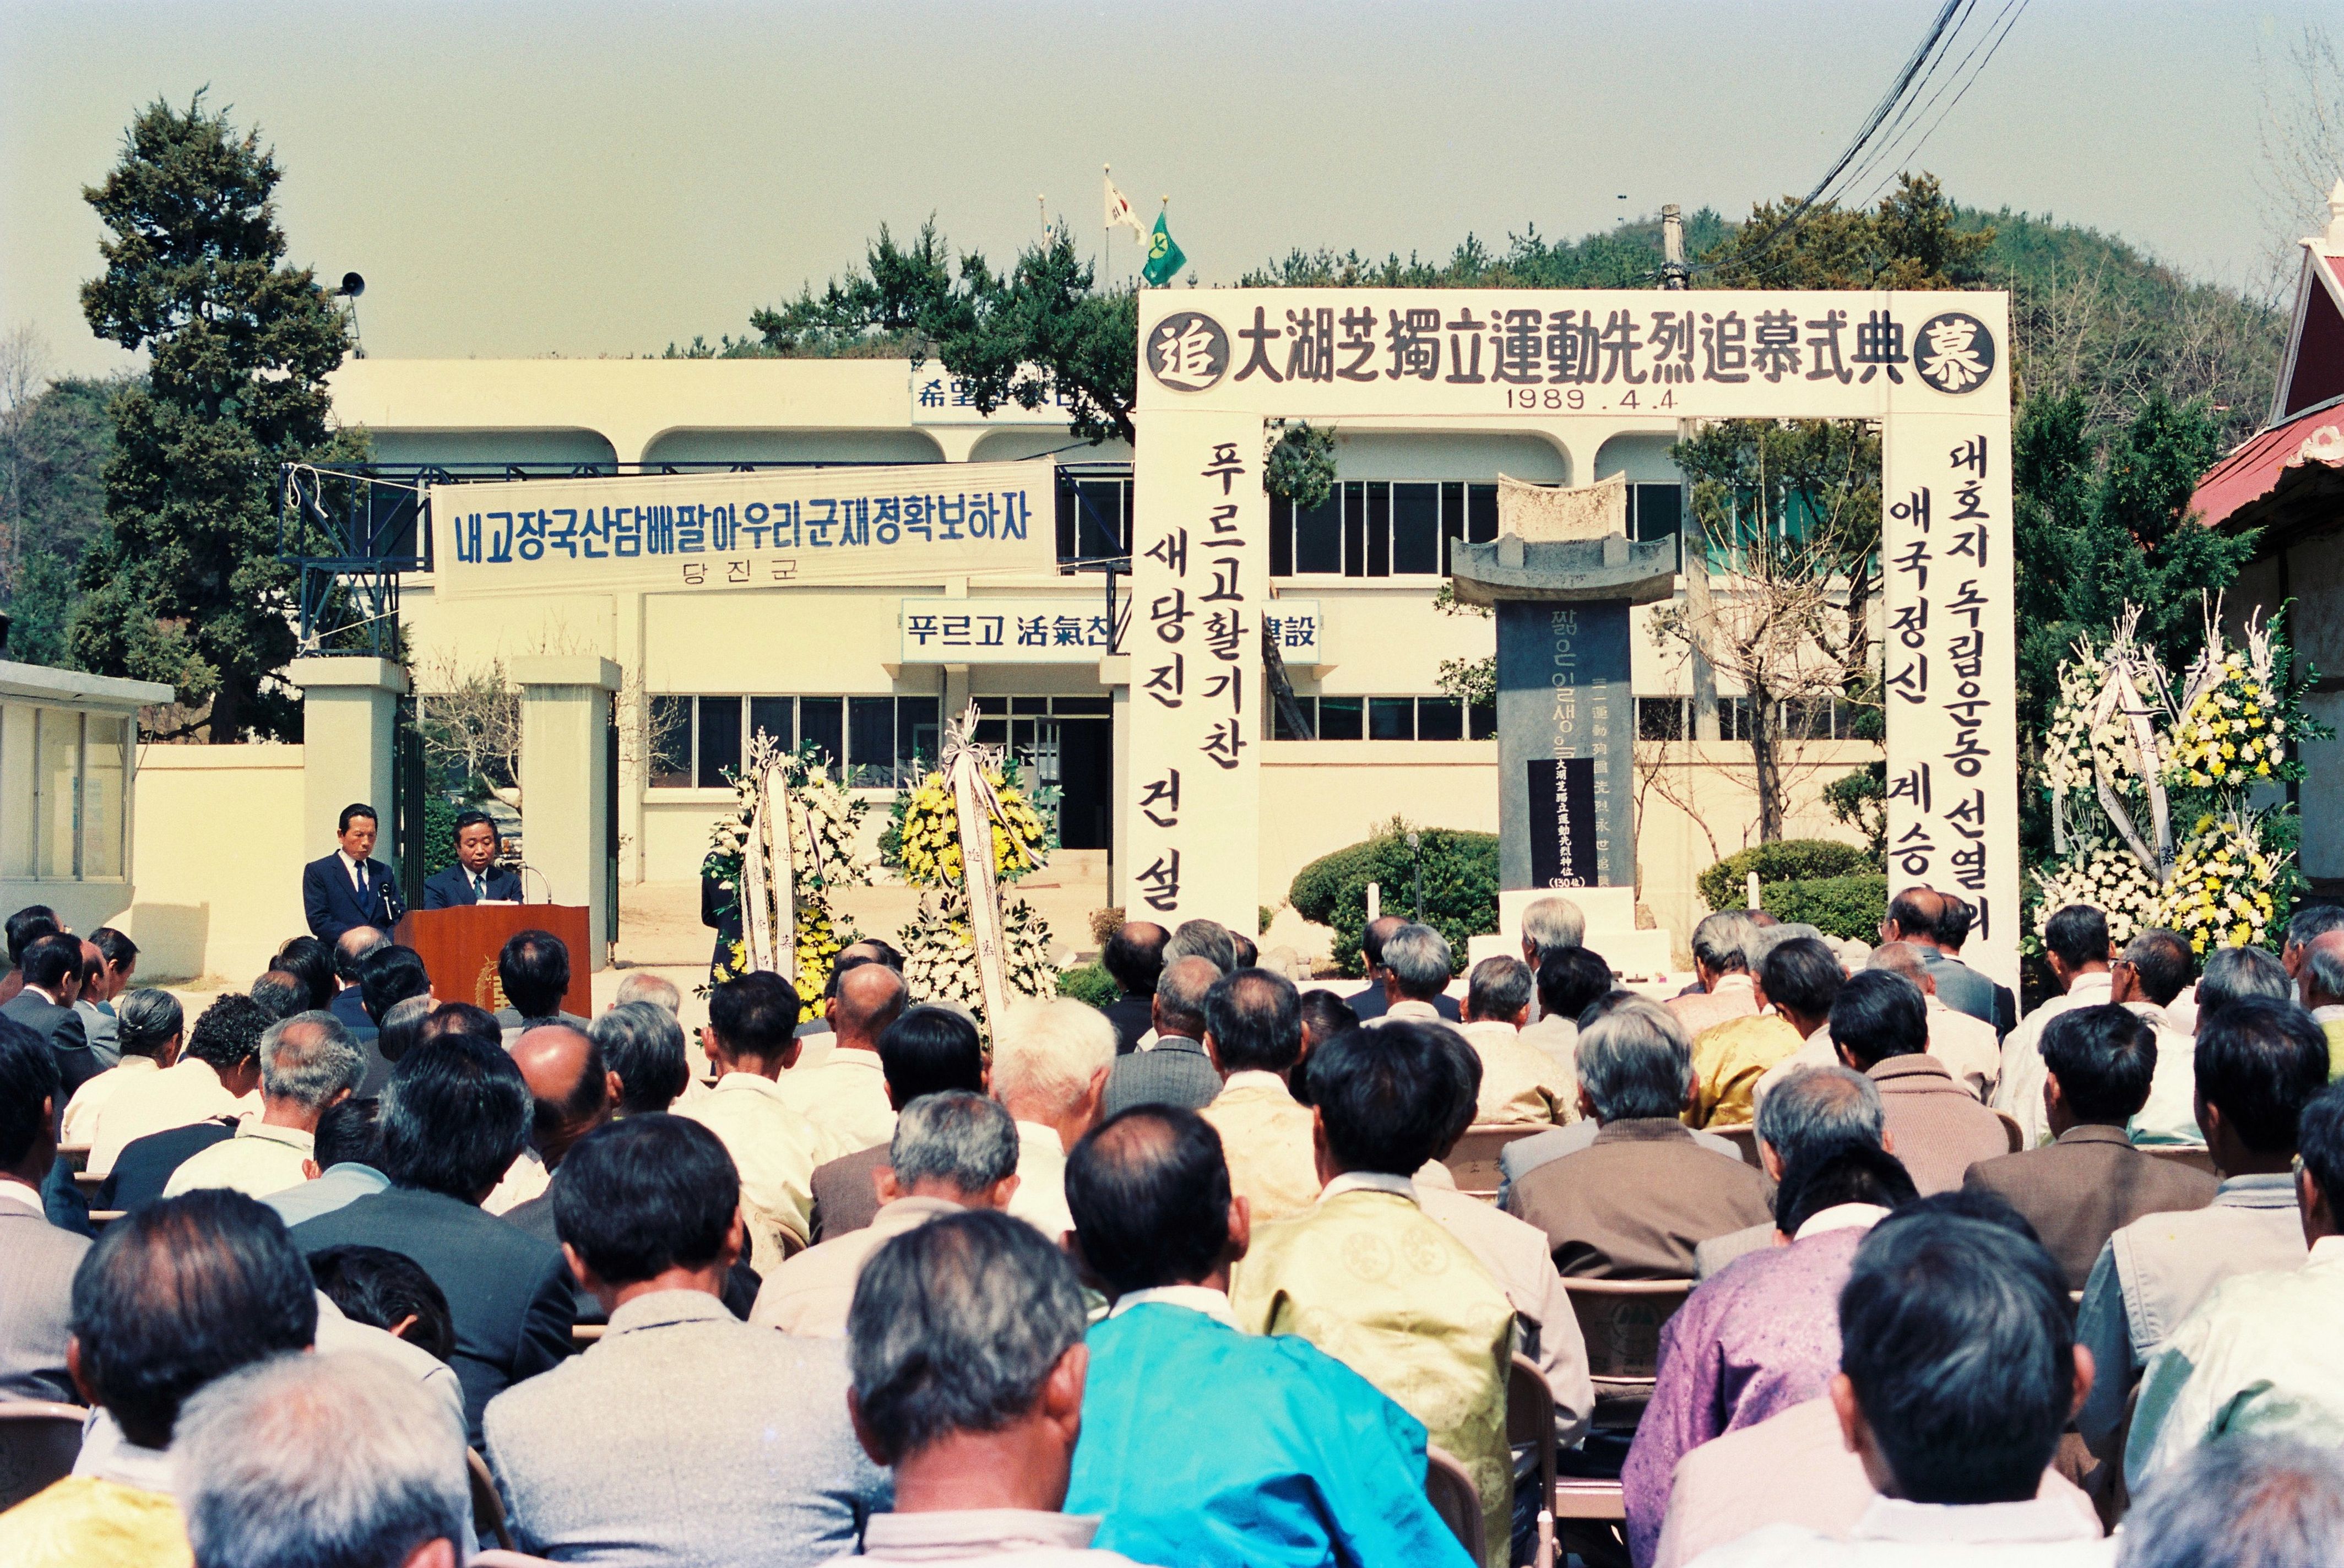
(1225, 1273)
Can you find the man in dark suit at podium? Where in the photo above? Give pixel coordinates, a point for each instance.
(476, 877)
(350, 887)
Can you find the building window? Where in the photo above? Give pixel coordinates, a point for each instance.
(1380, 527)
(75, 768)
(1661, 719)
(1093, 516)
(1382, 719)
(874, 742)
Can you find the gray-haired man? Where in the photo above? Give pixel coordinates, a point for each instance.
(950, 1151)
(1635, 1201)
(966, 1346)
(1812, 1113)
(1416, 966)
(322, 1459)
(307, 1065)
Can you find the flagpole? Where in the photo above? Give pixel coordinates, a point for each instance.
(1107, 236)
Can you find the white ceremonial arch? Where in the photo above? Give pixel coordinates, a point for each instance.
(1216, 364)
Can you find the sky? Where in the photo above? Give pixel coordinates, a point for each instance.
(517, 178)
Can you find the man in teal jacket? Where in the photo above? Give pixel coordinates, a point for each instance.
(1202, 1445)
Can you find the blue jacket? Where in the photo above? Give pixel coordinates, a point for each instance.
(1211, 1448)
(332, 903)
(451, 887)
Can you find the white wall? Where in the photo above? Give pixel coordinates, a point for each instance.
(217, 860)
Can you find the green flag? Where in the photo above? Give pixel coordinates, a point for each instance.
(1165, 258)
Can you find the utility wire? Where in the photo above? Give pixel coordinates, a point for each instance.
(1897, 90)
(1915, 107)
(2013, 9)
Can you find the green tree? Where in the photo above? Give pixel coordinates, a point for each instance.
(1912, 240)
(1040, 332)
(2101, 523)
(185, 586)
(54, 443)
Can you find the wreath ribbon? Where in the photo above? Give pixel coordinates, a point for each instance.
(977, 808)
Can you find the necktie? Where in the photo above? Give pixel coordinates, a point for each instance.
(480, 888)
(358, 870)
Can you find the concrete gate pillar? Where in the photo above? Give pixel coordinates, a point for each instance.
(350, 707)
(565, 788)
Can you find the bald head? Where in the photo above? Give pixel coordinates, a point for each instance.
(1149, 1193)
(1372, 940)
(1903, 958)
(869, 996)
(573, 1091)
(354, 945)
(1916, 915)
(1180, 992)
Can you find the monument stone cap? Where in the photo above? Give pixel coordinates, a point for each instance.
(1564, 571)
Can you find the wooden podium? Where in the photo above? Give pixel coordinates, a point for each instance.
(459, 948)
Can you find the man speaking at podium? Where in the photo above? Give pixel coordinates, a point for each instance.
(476, 877)
(350, 887)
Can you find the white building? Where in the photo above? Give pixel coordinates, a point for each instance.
(830, 663)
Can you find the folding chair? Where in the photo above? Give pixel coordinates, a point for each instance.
(488, 1508)
(2197, 1157)
(38, 1442)
(1473, 1163)
(1530, 1424)
(2016, 1133)
(1455, 1498)
(1745, 1141)
(1621, 1321)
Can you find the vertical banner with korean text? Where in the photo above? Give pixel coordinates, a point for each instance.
(1949, 665)
(1199, 585)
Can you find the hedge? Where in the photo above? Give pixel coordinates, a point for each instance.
(1089, 982)
(1846, 906)
(1725, 884)
(1461, 887)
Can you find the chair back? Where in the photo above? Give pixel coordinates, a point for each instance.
(99, 1218)
(488, 1508)
(1745, 1141)
(1530, 1417)
(1454, 1497)
(1473, 1163)
(74, 1155)
(2197, 1157)
(38, 1443)
(2013, 1131)
(498, 1557)
(1621, 1321)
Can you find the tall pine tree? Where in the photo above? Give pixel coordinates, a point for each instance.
(186, 587)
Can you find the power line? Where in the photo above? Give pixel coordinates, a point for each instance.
(1897, 90)
(2013, 9)
(1916, 107)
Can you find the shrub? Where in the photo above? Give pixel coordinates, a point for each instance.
(1461, 886)
(440, 815)
(1723, 886)
(1846, 906)
(1089, 982)
(1268, 913)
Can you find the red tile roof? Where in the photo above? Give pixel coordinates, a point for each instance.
(2254, 469)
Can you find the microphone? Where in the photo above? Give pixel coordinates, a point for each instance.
(520, 865)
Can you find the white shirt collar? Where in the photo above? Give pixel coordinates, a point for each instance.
(1736, 981)
(1436, 1176)
(1978, 1523)
(2328, 1248)
(1042, 1136)
(734, 1082)
(290, 1136)
(2099, 982)
(15, 1191)
(2328, 1013)
(1822, 1032)
(1842, 1216)
(1369, 1182)
(1409, 1008)
(44, 993)
(1214, 1304)
(1255, 1077)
